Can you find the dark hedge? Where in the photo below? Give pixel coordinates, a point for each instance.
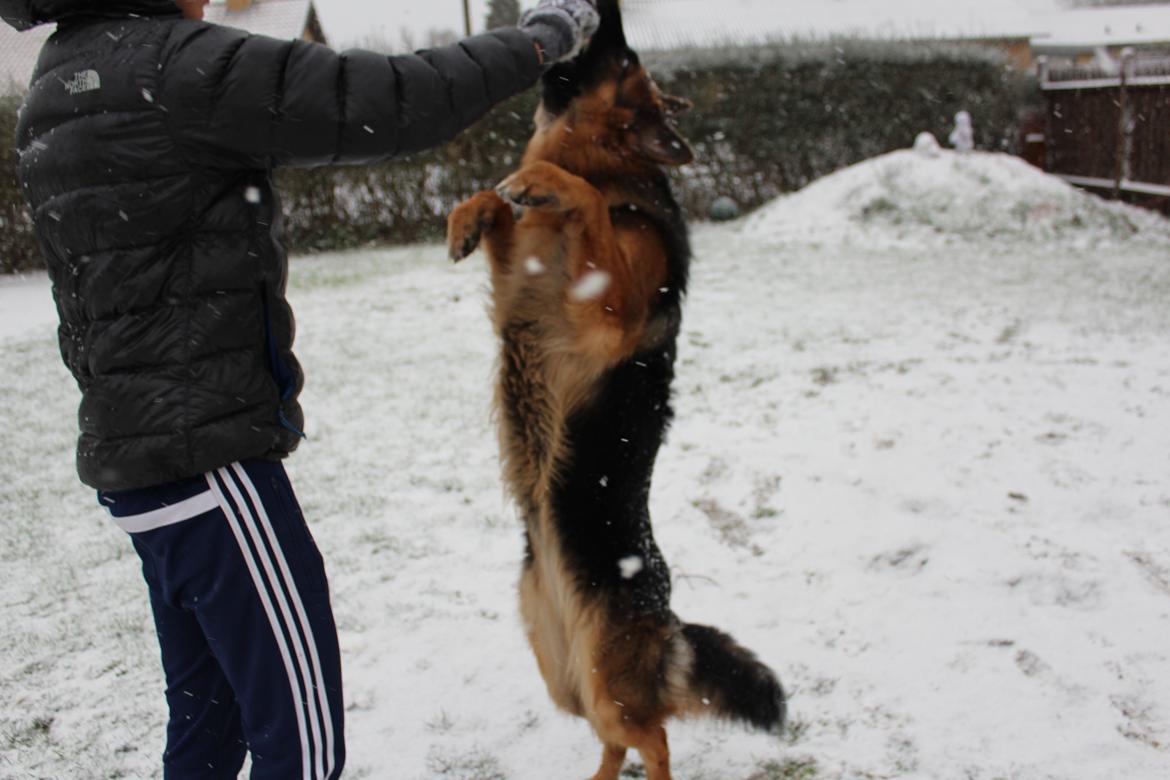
(18, 245)
(767, 120)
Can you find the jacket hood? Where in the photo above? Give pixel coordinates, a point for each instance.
(23, 14)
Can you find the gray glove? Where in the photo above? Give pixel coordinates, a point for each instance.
(561, 27)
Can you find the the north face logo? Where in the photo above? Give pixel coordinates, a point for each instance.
(85, 81)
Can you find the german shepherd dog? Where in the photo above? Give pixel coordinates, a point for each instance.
(587, 287)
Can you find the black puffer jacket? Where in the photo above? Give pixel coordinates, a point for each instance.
(146, 145)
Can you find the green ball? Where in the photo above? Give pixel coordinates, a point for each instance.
(724, 209)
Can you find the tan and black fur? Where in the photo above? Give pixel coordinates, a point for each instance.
(587, 286)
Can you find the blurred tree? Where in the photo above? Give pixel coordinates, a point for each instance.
(441, 37)
(502, 13)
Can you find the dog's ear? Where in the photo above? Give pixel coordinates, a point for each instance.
(663, 144)
(610, 35)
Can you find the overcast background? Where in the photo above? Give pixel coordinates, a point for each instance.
(352, 21)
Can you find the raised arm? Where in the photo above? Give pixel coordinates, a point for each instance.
(235, 99)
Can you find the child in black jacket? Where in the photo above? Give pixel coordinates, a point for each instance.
(147, 144)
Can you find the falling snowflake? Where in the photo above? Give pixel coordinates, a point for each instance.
(252, 194)
(590, 287)
(533, 266)
(630, 566)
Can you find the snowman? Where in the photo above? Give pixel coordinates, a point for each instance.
(963, 136)
(927, 145)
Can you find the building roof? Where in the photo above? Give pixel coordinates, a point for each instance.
(670, 24)
(1091, 28)
(275, 18)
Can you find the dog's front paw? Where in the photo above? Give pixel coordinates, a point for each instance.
(541, 185)
(469, 221)
(528, 194)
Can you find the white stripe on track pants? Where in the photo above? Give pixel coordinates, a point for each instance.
(248, 641)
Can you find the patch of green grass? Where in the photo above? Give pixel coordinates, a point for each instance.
(26, 736)
(879, 208)
(380, 541)
(440, 723)
(794, 730)
(825, 375)
(473, 765)
(788, 769)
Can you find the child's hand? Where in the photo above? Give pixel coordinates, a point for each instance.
(561, 28)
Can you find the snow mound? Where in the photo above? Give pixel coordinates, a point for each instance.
(908, 198)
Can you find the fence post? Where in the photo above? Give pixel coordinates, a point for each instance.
(1124, 133)
(1042, 71)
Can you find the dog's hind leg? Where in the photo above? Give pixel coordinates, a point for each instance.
(655, 753)
(650, 744)
(611, 763)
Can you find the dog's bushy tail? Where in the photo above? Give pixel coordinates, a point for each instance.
(726, 680)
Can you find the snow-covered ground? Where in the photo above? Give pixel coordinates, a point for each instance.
(911, 200)
(927, 481)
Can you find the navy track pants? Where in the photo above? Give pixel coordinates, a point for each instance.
(241, 604)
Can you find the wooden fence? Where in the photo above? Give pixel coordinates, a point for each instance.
(1111, 132)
